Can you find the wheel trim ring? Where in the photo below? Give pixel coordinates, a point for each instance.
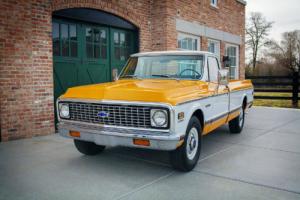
(191, 152)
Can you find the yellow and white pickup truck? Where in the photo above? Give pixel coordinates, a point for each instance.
(161, 100)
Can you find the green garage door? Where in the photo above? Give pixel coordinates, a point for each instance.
(87, 53)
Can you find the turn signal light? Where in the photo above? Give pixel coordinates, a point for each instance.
(141, 142)
(74, 133)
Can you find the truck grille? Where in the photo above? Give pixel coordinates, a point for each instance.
(111, 114)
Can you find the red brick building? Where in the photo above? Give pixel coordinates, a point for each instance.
(47, 46)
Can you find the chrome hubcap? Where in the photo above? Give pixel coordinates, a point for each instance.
(192, 143)
(241, 117)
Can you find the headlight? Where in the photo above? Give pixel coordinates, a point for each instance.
(64, 111)
(159, 118)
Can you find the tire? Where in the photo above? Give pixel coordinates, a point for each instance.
(237, 124)
(88, 148)
(180, 158)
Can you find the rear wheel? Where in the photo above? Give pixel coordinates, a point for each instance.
(237, 124)
(88, 148)
(187, 155)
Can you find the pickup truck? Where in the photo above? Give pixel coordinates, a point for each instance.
(162, 101)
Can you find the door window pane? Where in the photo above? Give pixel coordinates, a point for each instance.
(116, 38)
(128, 39)
(103, 52)
(88, 34)
(96, 36)
(213, 68)
(55, 39)
(73, 49)
(103, 37)
(117, 53)
(73, 32)
(65, 39)
(96, 51)
(89, 50)
(122, 39)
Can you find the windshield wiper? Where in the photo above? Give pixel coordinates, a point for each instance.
(130, 76)
(161, 75)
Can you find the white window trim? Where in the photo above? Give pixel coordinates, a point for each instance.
(219, 45)
(214, 4)
(237, 71)
(190, 36)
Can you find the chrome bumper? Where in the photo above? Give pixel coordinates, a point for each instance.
(113, 136)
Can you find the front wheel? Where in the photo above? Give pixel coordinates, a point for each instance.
(185, 157)
(88, 148)
(237, 124)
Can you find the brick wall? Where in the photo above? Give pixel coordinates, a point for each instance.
(228, 17)
(26, 68)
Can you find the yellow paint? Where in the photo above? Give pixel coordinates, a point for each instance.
(180, 143)
(233, 115)
(216, 124)
(152, 90)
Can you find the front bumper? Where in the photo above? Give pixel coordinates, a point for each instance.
(114, 136)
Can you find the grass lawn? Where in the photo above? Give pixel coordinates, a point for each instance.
(274, 103)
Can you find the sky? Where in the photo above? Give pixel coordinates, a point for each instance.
(284, 13)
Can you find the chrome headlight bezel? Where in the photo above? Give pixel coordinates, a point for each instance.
(64, 110)
(154, 117)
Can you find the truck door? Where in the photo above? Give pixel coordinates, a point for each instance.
(220, 101)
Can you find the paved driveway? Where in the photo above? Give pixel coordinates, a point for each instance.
(261, 163)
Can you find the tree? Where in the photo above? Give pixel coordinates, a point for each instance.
(257, 30)
(287, 52)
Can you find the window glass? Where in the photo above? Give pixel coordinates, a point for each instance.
(103, 52)
(166, 67)
(73, 32)
(214, 47)
(122, 45)
(214, 3)
(96, 51)
(89, 50)
(88, 34)
(55, 39)
(73, 49)
(65, 39)
(213, 68)
(188, 42)
(103, 37)
(122, 39)
(96, 35)
(231, 52)
(116, 38)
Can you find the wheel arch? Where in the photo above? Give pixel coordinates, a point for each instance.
(199, 114)
(245, 101)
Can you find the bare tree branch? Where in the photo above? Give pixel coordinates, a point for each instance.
(257, 30)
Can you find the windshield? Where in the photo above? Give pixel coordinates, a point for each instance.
(166, 67)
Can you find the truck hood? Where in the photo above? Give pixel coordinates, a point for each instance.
(149, 90)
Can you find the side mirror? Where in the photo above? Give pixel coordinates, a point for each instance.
(223, 77)
(226, 61)
(115, 74)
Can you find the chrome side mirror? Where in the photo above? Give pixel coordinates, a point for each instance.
(223, 77)
(115, 74)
